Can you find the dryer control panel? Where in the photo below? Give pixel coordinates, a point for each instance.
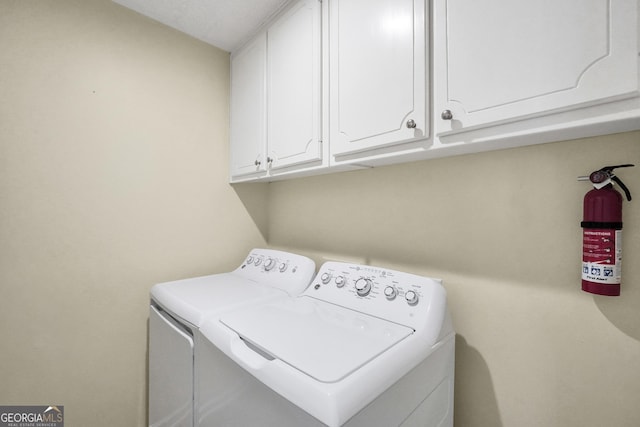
(400, 297)
(289, 272)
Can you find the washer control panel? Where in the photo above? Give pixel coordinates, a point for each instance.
(396, 296)
(290, 272)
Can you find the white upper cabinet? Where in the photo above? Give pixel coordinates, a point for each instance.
(294, 86)
(332, 85)
(248, 113)
(500, 61)
(377, 79)
(276, 92)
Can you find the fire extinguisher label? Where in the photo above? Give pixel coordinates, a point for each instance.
(602, 255)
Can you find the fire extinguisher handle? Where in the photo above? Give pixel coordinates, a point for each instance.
(624, 187)
(611, 168)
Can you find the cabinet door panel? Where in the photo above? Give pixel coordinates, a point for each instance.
(293, 70)
(248, 109)
(378, 73)
(499, 61)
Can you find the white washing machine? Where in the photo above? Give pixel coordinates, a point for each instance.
(361, 346)
(178, 309)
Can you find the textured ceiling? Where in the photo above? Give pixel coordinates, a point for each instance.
(222, 23)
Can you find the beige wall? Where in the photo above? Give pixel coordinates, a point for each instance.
(113, 176)
(503, 231)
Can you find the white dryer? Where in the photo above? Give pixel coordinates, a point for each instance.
(179, 308)
(361, 346)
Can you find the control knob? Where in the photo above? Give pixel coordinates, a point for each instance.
(269, 264)
(411, 297)
(340, 281)
(390, 292)
(363, 286)
(326, 277)
(283, 267)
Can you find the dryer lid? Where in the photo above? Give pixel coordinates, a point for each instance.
(323, 340)
(194, 299)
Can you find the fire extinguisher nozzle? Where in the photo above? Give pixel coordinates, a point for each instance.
(627, 193)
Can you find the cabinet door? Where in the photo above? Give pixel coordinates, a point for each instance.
(293, 89)
(499, 61)
(378, 89)
(248, 109)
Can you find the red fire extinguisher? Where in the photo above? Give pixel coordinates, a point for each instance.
(602, 233)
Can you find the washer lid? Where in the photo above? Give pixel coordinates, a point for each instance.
(325, 341)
